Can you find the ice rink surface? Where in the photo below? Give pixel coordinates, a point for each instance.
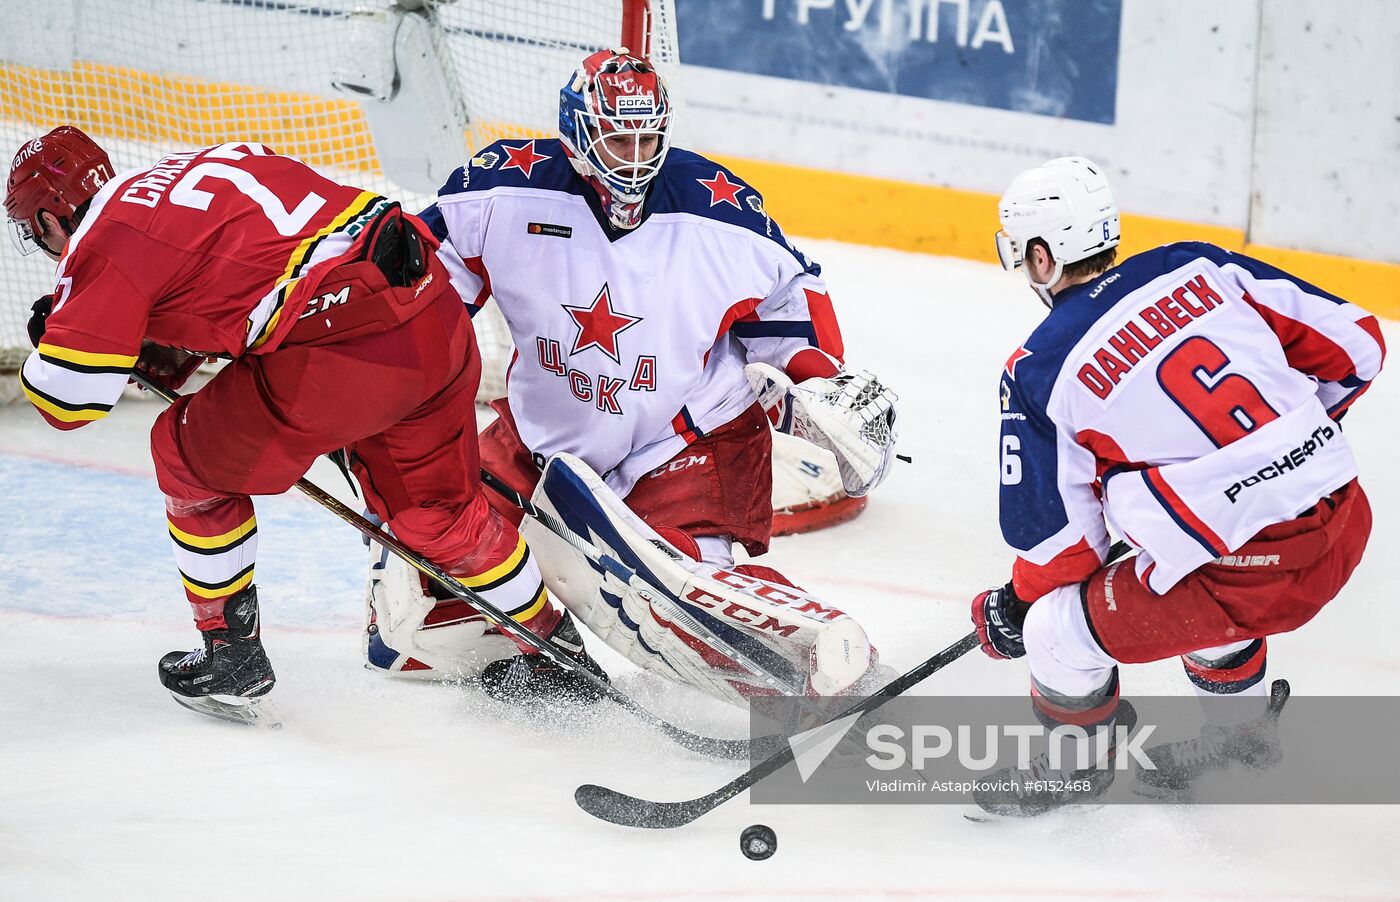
(379, 790)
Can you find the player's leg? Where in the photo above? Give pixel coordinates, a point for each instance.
(1300, 565)
(1074, 683)
(714, 494)
(1077, 636)
(416, 629)
(413, 627)
(213, 532)
(504, 455)
(255, 429)
(421, 475)
(718, 491)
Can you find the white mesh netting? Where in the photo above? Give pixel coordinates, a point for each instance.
(148, 76)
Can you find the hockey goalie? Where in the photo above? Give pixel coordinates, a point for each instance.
(651, 297)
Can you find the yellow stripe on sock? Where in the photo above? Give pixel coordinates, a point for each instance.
(227, 538)
(524, 616)
(498, 571)
(232, 588)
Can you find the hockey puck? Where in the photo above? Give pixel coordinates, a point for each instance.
(758, 842)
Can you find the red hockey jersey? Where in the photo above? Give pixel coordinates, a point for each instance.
(206, 251)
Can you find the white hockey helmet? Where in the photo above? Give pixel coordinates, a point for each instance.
(1068, 204)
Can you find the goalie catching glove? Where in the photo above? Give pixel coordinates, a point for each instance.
(850, 414)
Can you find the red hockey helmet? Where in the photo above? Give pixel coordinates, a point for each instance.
(59, 173)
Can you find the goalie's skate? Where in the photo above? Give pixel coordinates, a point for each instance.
(228, 677)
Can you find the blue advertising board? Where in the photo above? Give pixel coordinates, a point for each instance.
(1047, 57)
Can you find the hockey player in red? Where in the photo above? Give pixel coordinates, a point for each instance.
(648, 293)
(1189, 398)
(341, 331)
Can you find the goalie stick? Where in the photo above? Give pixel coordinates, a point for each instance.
(705, 745)
(629, 811)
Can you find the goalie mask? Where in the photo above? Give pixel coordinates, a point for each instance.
(615, 123)
(57, 173)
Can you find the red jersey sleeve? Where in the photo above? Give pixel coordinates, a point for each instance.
(91, 341)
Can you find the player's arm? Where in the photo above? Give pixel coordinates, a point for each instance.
(86, 347)
(456, 219)
(794, 348)
(1336, 342)
(1050, 516)
(793, 330)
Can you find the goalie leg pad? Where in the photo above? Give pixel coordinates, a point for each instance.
(804, 643)
(411, 633)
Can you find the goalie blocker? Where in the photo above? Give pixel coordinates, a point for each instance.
(793, 638)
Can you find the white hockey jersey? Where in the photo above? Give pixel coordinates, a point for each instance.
(1190, 396)
(629, 344)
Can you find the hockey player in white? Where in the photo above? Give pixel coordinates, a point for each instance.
(649, 296)
(1189, 399)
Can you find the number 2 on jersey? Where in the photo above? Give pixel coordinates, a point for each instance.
(288, 223)
(1226, 408)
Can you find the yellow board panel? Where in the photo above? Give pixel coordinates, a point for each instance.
(956, 223)
(132, 105)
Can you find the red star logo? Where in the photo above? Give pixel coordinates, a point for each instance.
(722, 190)
(1016, 357)
(523, 158)
(599, 325)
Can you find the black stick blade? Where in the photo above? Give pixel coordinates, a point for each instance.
(629, 811)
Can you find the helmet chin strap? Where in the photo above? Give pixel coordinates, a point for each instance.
(1043, 288)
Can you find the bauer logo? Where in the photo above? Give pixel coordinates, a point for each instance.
(1004, 753)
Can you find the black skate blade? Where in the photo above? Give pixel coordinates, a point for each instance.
(251, 712)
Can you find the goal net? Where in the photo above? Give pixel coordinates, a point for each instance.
(389, 95)
(145, 77)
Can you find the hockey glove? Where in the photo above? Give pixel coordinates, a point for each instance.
(850, 414)
(170, 367)
(999, 617)
(38, 318)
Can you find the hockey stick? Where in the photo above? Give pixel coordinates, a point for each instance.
(630, 811)
(720, 748)
(667, 601)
